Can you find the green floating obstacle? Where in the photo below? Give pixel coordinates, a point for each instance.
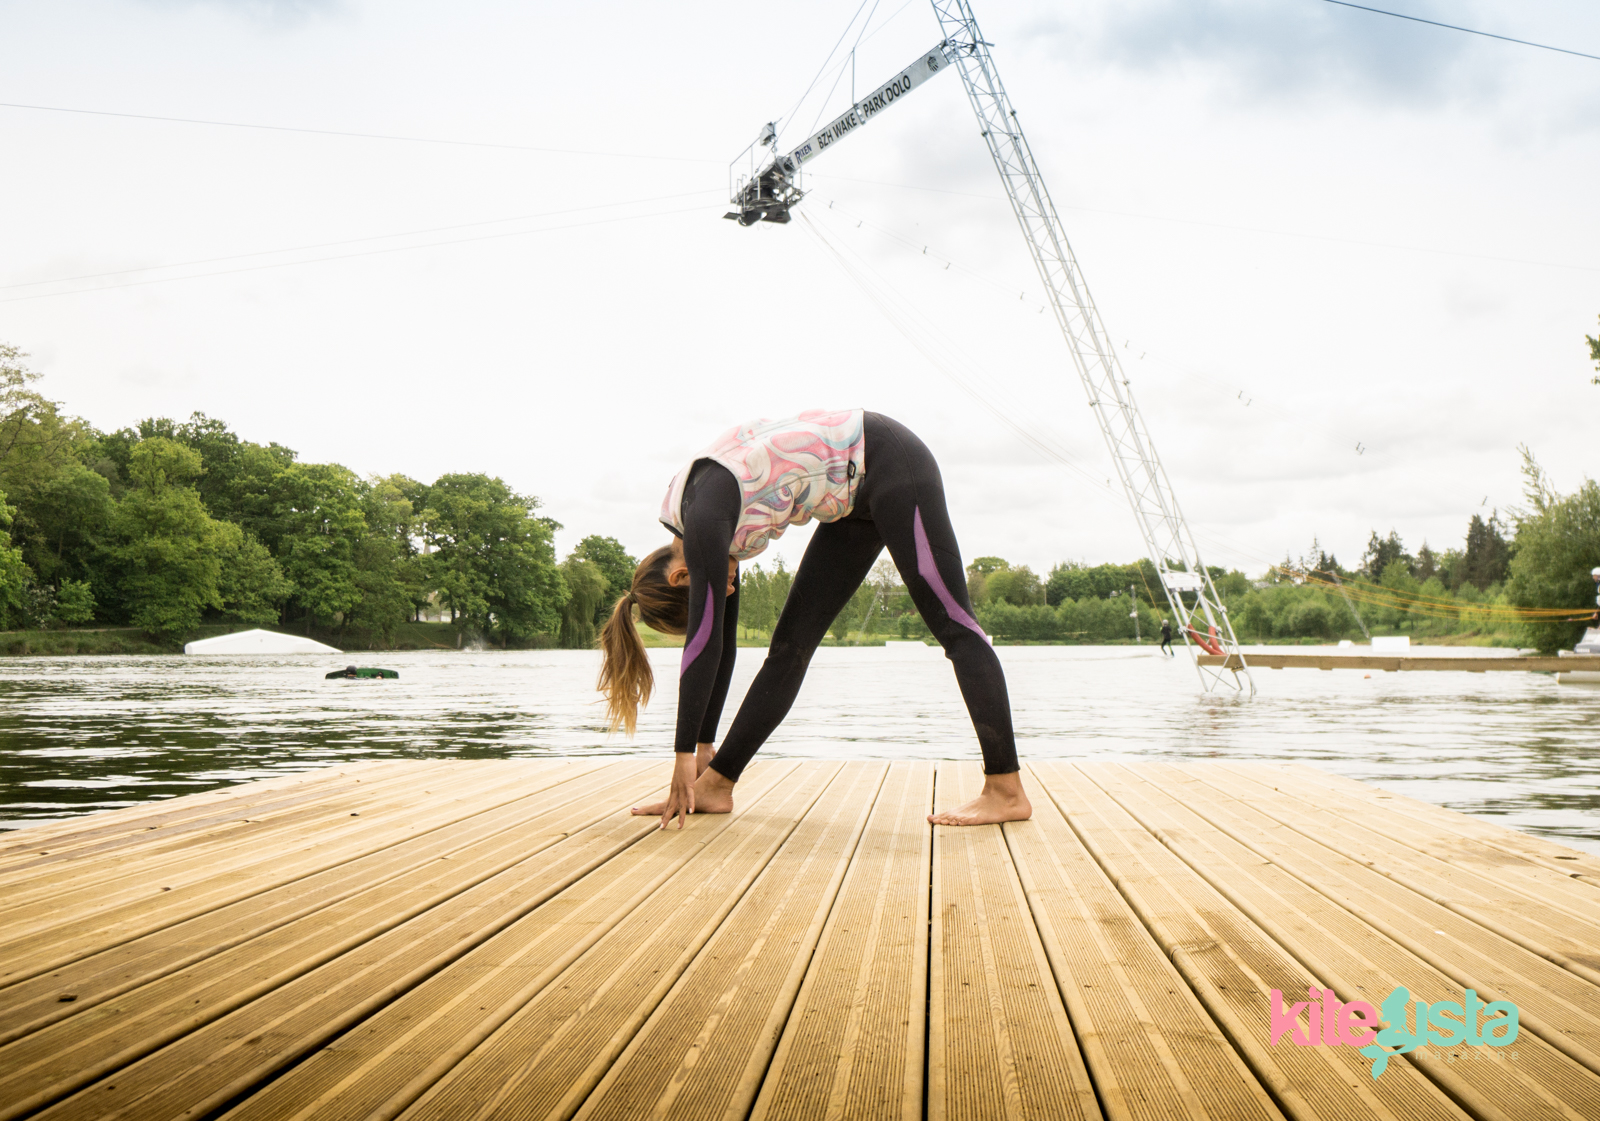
(362, 671)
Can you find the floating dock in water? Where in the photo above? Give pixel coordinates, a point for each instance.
(443, 939)
(1390, 663)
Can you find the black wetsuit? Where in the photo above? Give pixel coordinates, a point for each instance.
(899, 503)
(1166, 636)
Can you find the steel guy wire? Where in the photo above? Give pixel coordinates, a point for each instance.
(350, 256)
(349, 241)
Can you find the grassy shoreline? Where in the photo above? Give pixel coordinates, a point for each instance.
(89, 641)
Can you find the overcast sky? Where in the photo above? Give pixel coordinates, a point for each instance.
(1311, 227)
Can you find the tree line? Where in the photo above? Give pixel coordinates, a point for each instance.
(1538, 556)
(168, 525)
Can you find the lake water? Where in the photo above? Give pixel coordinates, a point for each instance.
(85, 734)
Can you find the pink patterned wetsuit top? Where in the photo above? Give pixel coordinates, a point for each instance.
(789, 471)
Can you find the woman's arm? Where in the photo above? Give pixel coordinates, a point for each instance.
(709, 648)
(711, 506)
(719, 685)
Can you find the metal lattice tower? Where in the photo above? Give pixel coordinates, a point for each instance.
(1201, 618)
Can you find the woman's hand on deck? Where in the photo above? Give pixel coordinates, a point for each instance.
(680, 798)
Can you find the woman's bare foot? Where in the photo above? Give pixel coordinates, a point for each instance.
(713, 794)
(703, 754)
(1003, 799)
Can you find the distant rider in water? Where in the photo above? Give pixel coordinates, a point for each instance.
(870, 482)
(1166, 636)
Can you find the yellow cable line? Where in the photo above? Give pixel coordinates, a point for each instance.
(1432, 606)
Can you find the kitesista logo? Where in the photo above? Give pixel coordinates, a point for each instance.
(1444, 1023)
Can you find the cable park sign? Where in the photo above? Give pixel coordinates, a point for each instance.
(870, 106)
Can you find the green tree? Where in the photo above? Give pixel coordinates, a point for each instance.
(1487, 557)
(1557, 544)
(15, 576)
(1016, 586)
(762, 595)
(850, 617)
(169, 552)
(1234, 585)
(318, 520)
(492, 561)
(587, 584)
(616, 564)
(978, 572)
(75, 602)
(1062, 583)
(1381, 553)
(171, 561)
(1427, 562)
(782, 580)
(1312, 618)
(252, 495)
(388, 574)
(1074, 580)
(756, 610)
(64, 521)
(252, 585)
(36, 441)
(888, 593)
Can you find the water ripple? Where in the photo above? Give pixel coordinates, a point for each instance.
(84, 734)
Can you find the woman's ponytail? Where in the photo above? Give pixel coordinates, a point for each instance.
(625, 675)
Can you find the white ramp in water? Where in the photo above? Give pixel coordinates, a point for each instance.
(258, 642)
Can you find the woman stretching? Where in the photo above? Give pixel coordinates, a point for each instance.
(872, 483)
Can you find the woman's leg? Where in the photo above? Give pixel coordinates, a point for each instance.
(909, 511)
(837, 560)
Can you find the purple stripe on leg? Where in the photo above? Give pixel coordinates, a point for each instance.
(930, 572)
(701, 636)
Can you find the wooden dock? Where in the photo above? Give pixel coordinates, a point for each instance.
(443, 939)
(1391, 663)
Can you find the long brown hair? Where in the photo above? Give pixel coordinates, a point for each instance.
(625, 676)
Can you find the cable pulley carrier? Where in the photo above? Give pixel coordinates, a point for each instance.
(768, 188)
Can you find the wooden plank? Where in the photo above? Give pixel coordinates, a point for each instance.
(1231, 965)
(1495, 849)
(999, 1042)
(35, 1004)
(1151, 1048)
(60, 938)
(1559, 1007)
(159, 822)
(47, 926)
(26, 840)
(272, 1001)
(1404, 662)
(546, 1043)
(1345, 954)
(706, 1046)
(852, 1049)
(177, 857)
(1557, 921)
(393, 1057)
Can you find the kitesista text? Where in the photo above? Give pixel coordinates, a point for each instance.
(1444, 1023)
